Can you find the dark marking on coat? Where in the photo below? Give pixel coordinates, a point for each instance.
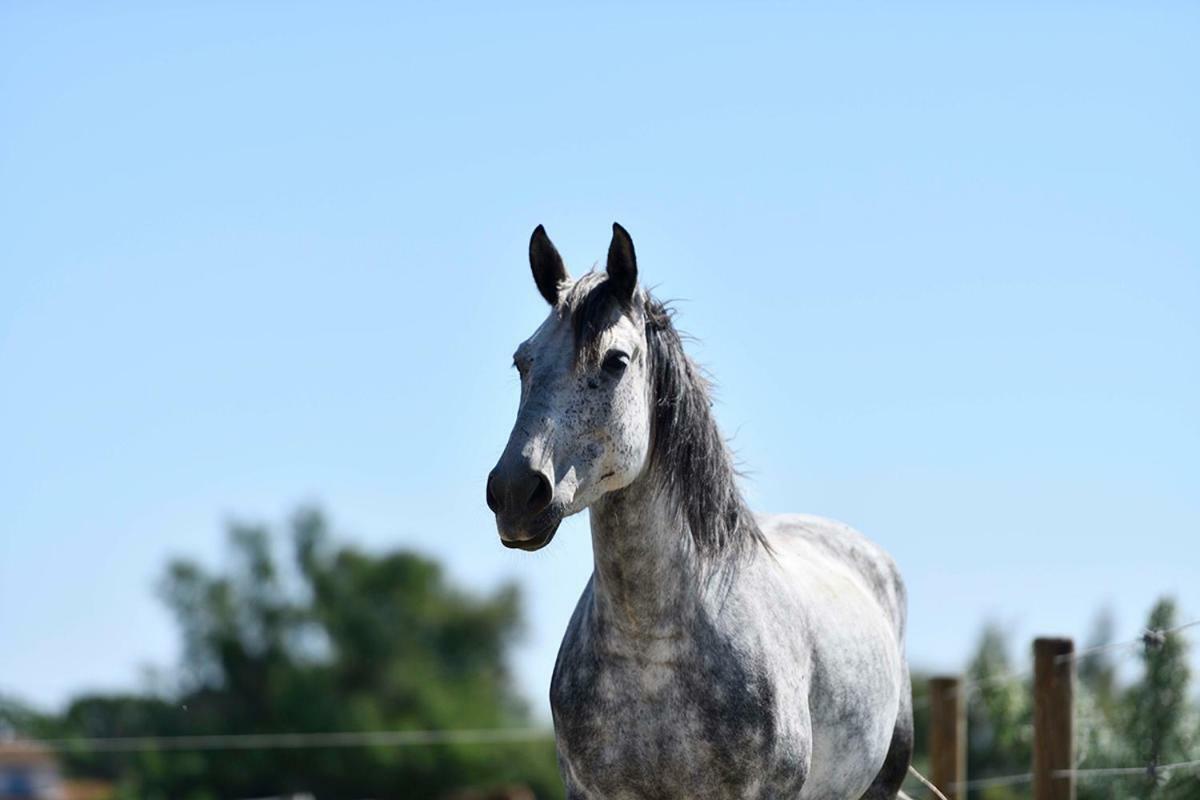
(710, 730)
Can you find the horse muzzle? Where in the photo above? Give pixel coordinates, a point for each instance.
(522, 498)
(531, 536)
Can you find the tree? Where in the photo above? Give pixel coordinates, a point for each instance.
(1150, 722)
(342, 639)
(1097, 672)
(1098, 732)
(1159, 720)
(999, 732)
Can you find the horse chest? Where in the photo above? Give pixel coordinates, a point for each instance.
(701, 723)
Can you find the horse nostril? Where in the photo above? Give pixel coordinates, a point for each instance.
(492, 502)
(521, 491)
(541, 495)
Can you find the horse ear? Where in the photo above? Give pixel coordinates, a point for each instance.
(547, 265)
(622, 265)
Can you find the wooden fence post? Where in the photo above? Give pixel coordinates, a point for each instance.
(948, 736)
(1053, 718)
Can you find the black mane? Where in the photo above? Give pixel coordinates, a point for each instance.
(689, 459)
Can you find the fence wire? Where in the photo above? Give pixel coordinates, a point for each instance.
(994, 780)
(1151, 770)
(1149, 639)
(294, 741)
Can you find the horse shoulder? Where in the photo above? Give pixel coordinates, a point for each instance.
(724, 716)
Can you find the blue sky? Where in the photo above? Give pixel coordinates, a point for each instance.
(942, 259)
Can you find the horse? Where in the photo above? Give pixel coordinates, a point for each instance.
(713, 653)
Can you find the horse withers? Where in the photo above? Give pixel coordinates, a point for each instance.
(713, 653)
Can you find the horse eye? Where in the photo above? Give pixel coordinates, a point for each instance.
(615, 362)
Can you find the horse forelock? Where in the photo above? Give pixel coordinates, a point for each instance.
(689, 459)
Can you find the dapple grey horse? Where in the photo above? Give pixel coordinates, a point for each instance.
(713, 653)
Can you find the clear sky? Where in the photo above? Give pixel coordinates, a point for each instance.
(943, 260)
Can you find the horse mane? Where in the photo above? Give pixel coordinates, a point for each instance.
(689, 459)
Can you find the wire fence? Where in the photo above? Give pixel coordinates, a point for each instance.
(296, 741)
(1149, 639)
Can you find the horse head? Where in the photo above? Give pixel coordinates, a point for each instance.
(583, 426)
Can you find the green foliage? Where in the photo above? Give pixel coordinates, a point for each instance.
(1151, 721)
(999, 716)
(1099, 739)
(18, 718)
(1097, 670)
(1160, 724)
(340, 640)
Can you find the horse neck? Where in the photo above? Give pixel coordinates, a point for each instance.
(645, 586)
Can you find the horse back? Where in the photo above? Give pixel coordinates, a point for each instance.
(805, 535)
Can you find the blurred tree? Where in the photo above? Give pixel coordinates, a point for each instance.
(1100, 740)
(999, 722)
(1160, 722)
(343, 640)
(18, 718)
(1097, 670)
